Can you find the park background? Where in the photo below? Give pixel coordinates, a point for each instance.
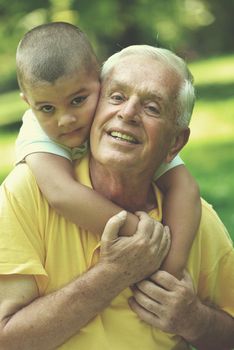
(200, 31)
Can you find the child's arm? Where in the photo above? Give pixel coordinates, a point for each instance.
(71, 199)
(182, 213)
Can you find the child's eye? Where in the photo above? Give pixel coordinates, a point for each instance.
(78, 100)
(47, 109)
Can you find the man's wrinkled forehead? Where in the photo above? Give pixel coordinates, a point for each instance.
(127, 86)
(145, 75)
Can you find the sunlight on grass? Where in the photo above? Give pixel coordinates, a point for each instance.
(213, 121)
(212, 164)
(213, 116)
(213, 70)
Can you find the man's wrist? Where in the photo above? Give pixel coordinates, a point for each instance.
(201, 319)
(112, 282)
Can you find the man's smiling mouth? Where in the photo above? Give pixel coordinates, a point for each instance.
(123, 137)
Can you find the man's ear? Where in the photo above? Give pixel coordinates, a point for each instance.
(24, 97)
(179, 142)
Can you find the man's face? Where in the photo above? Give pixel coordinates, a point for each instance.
(133, 125)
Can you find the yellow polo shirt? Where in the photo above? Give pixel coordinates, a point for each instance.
(36, 240)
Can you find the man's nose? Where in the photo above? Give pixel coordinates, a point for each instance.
(130, 111)
(66, 119)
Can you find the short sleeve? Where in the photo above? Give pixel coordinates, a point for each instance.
(168, 166)
(22, 249)
(33, 139)
(212, 261)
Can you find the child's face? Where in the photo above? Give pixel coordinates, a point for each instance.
(65, 108)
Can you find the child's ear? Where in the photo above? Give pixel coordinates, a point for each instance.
(178, 143)
(24, 97)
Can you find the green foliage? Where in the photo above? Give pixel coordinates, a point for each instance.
(210, 153)
(214, 110)
(192, 28)
(11, 108)
(212, 164)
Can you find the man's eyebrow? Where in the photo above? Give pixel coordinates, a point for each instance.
(117, 84)
(146, 93)
(152, 95)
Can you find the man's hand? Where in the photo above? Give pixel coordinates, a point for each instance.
(136, 257)
(172, 306)
(168, 304)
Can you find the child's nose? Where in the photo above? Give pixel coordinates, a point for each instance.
(66, 119)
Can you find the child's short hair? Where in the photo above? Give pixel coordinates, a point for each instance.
(52, 50)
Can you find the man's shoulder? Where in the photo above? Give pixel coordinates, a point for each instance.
(19, 179)
(210, 217)
(82, 170)
(212, 231)
(211, 246)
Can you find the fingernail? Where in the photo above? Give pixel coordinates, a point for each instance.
(122, 214)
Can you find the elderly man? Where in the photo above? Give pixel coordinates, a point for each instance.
(62, 287)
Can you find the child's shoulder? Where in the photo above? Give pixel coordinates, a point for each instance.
(164, 167)
(29, 116)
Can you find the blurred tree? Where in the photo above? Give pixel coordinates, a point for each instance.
(11, 15)
(118, 23)
(192, 28)
(217, 36)
(16, 18)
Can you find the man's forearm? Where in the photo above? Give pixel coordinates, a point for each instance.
(45, 323)
(213, 329)
(49, 321)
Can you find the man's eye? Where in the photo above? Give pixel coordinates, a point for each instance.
(78, 100)
(116, 97)
(47, 109)
(152, 109)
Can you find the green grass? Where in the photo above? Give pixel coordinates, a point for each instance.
(214, 70)
(210, 152)
(11, 108)
(212, 164)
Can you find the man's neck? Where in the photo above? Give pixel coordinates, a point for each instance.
(129, 190)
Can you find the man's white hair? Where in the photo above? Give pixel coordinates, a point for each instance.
(186, 94)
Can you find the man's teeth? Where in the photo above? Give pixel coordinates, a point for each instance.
(119, 135)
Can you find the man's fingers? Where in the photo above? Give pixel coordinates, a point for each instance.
(144, 314)
(146, 225)
(151, 289)
(161, 237)
(113, 225)
(187, 279)
(165, 280)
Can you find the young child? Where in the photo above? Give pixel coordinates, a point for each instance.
(58, 75)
